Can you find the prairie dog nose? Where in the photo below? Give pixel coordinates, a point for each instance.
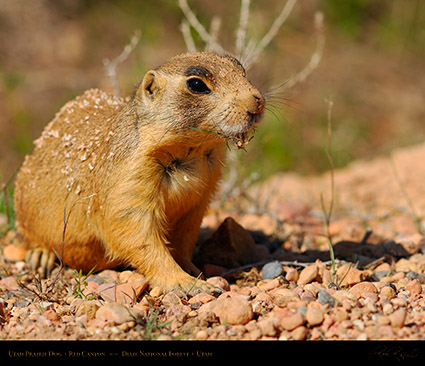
(260, 103)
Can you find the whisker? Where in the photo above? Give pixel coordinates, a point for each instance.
(277, 113)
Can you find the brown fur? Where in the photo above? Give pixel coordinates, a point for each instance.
(132, 175)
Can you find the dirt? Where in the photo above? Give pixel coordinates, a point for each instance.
(373, 290)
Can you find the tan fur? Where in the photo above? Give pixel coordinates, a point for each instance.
(131, 175)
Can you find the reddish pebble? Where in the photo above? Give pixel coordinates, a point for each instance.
(219, 282)
(362, 287)
(231, 310)
(202, 298)
(51, 315)
(314, 316)
(397, 318)
(308, 274)
(293, 321)
(114, 312)
(14, 253)
(414, 287)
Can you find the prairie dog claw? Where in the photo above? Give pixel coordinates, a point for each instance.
(42, 260)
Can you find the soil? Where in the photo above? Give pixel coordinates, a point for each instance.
(281, 283)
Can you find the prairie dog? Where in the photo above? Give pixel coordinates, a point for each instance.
(134, 177)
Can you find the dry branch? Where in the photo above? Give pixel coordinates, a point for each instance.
(111, 65)
(243, 23)
(272, 32)
(187, 36)
(315, 57)
(196, 24)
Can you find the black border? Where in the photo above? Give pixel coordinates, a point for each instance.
(378, 352)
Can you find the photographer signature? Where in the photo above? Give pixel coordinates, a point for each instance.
(385, 353)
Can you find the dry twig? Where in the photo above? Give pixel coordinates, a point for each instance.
(328, 213)
(272, 32)
(247, 52)
(315, 57)
(111, 65)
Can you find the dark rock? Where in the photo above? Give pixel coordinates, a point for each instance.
(271, 270)
(325, 298)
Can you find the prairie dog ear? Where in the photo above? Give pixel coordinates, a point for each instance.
(152, 85)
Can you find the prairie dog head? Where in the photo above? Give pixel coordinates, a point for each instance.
(201, 92)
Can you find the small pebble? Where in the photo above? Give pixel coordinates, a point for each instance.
(414, 287)
(114, 312)
(292, 321)
(231, 310)
(219, 282)
(308, 274)
(397, 318)
(291, 274)
(271, 270)
(299, 333)
(202, 335)
(363, 287)
(314, 316)
(388, 291)
(325, 298)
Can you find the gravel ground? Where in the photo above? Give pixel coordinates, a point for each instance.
(282, 285)
(386, 302)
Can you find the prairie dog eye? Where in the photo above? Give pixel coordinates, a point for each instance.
(197, 86)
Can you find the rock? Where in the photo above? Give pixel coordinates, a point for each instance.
(109, 275)
(381, 274)
(383, 267)
(202, 335)
(269, 285)
(414, 287)
(397, 318)
(308, 274)
(125, 293)
(202, 298)
(292, 321)
(405, 265)
(350, 276)
(312, 289)
(107, 291)
(299, 333)
(267, 327)
(291, 274)
(88, 308)
(231, 310)
(219, 282)
(91, 288)
(358, 289)
(51, 315)
(114, 312)
(230, 246)
(325, 298)
(14, 253)
(370, 295)
(388, 291)
(314, 316)
(171, 298)
(139, 283)
(271, 270)
(124, 276)
(9, 283)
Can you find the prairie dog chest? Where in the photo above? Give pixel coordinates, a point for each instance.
(187, 175)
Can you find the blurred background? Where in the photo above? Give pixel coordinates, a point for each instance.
(373, 68)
